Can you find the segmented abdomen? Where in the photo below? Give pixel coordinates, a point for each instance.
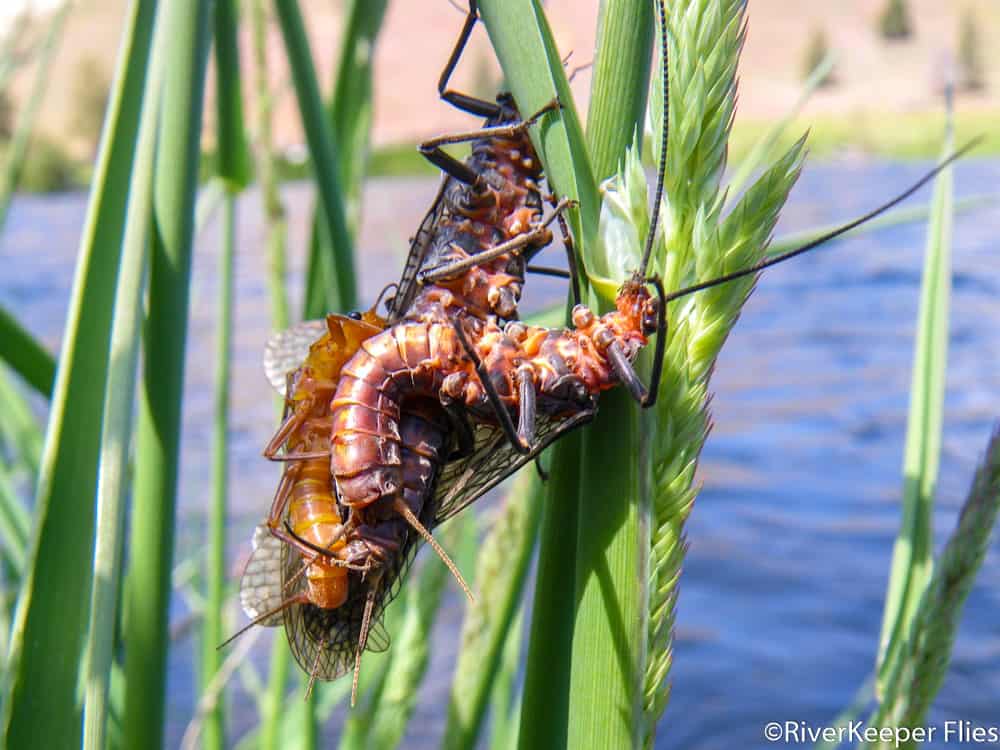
(313, 516)
(409, 360)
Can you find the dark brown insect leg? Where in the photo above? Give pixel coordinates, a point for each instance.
(464, 102)
(506, 423)
(626, 373)
(574, 273)
(538, 233)
(661, 343)
(509, 130)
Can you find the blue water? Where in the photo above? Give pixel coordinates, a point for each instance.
(791, 537)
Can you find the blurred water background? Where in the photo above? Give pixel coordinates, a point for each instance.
(791, 537)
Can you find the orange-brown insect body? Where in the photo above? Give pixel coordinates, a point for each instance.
(312, 511)
(567, 369)
(412, 358)
(508, 204)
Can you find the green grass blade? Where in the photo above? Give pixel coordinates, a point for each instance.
(234, 154)
(19, 428)
(18, 150)
(15, 524)
(272, 700)
(350, 114)
(545, 702)
(504, 708)
(266, 160)
(608, 643)
(41, 700)
(212, 631)
(25, 355)
(501, 571)
(621, 79)
(274, 697)
(763, 151)
(374, 671)
(912, 561)
(337, 269)
(608, 647)
(234, 172)
(533, 68)
(927, 651)
(411, 645)
(187, 25)
(116, 433)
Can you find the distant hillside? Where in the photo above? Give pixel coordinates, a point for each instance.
(873, 76)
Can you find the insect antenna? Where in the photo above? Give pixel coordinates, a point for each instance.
(297, 599)
(823, 239)
(662, 167)
(388, 300)
(315, 668)
(411, 518)
(366, 622)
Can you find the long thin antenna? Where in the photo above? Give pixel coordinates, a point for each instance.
(362, 642)
(315, 668)
(297, 599)
(661, 170)
(833, 234)
(411, 518)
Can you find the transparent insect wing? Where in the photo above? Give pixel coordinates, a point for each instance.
(419, 246)
(492, 460)
(287, 350)
(325, 641)
(261, 586)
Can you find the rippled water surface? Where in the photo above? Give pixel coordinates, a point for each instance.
(791, 537)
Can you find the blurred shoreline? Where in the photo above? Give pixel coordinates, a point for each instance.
(885, 98)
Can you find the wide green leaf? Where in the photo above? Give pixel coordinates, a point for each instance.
(119, 407)
(42, 704)
(148, 587)
(912, 557)
(337, 268)
(25, 355)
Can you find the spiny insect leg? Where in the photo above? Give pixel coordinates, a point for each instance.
(508, 130)
(432, 151)
(537, 234)
(302, 456)
(281, 496)
(292, 422)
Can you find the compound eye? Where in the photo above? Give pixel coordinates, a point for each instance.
(354, 315)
